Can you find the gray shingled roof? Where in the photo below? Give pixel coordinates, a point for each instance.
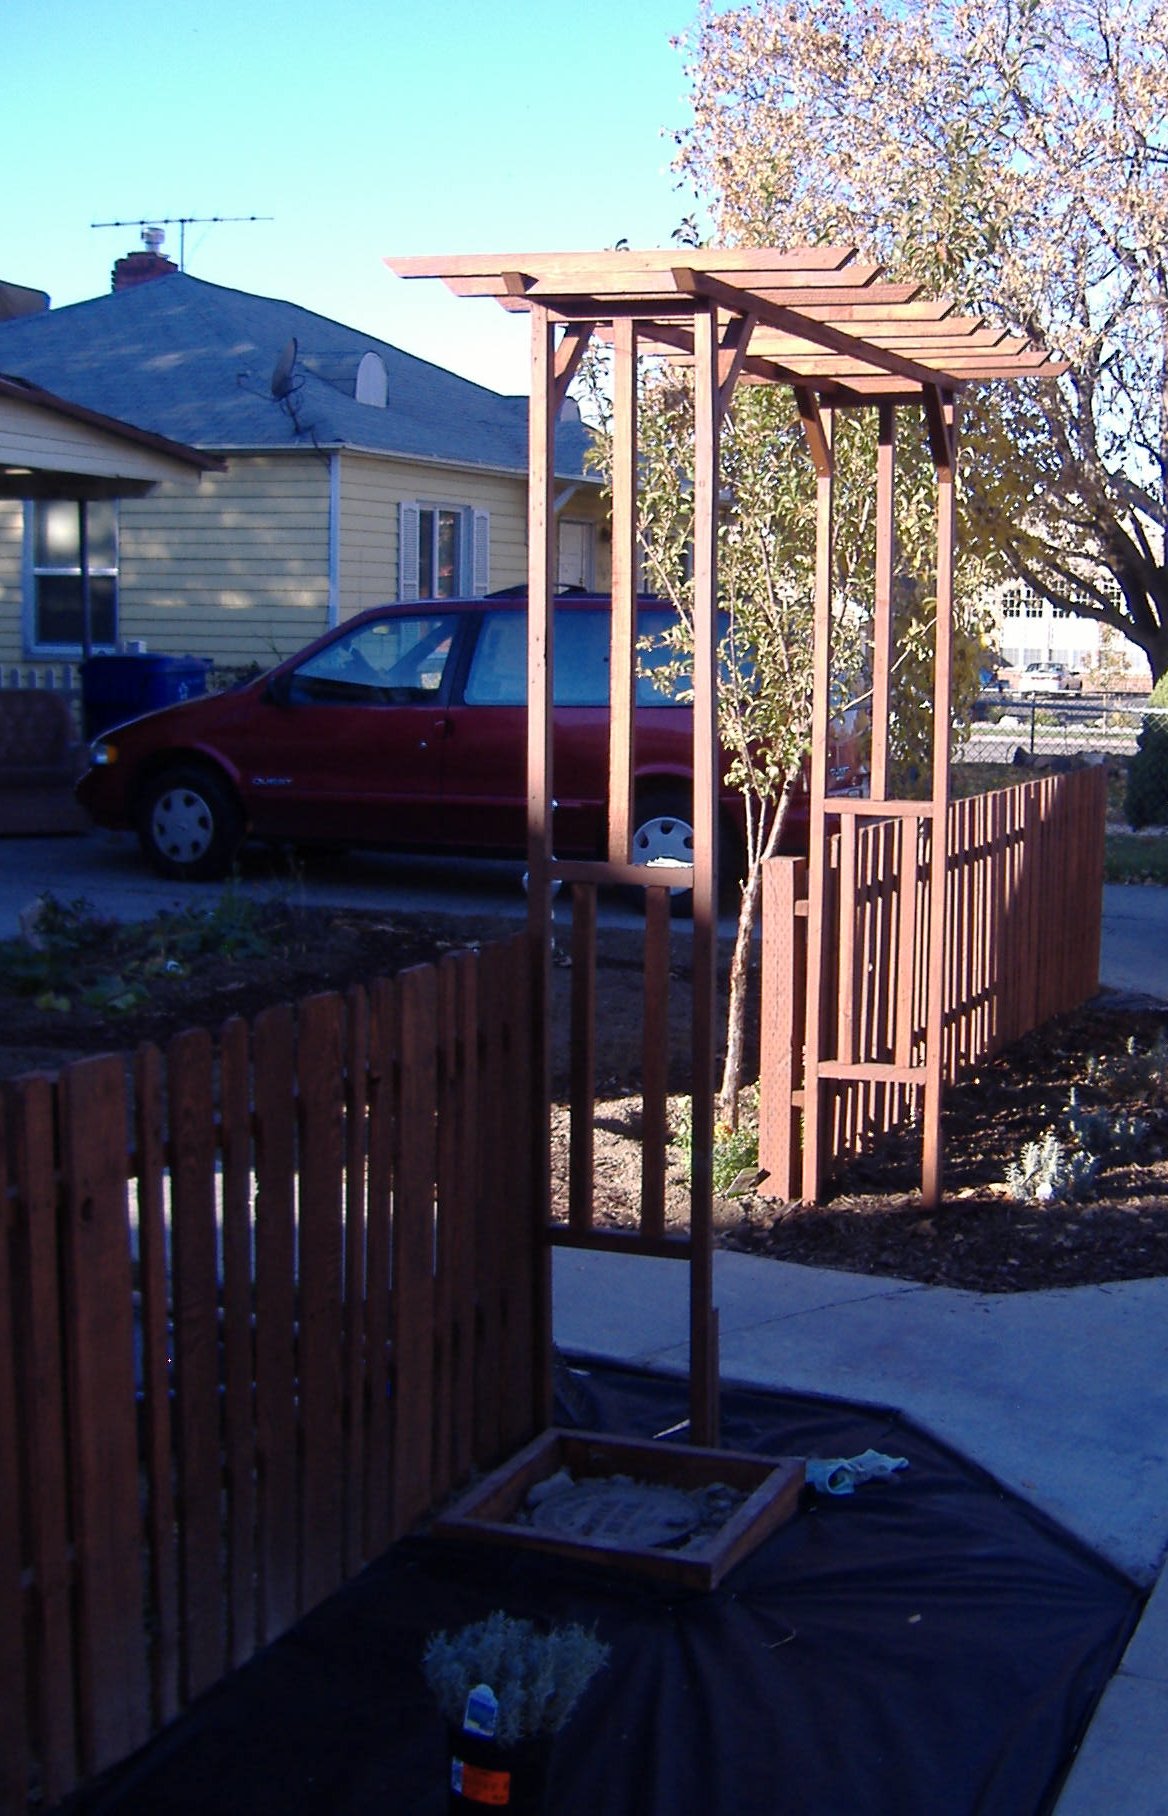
(193, 361)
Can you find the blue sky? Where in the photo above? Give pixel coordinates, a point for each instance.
(362, 128)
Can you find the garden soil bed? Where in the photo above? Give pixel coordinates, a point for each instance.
(873, 1223)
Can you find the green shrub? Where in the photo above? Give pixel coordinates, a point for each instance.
(537, 1677)
(1147, 772)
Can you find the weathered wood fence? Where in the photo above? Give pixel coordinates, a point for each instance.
(1023, 879)
(265, 1300)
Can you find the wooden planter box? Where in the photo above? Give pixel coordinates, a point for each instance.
(490, 1512)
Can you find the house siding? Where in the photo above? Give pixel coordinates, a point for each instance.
(11, 580)
(237, 571)
(372, 490)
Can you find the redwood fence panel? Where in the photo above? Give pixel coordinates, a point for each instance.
(247, 1336)
(1023, 893)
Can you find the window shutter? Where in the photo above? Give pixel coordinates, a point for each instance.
(481, 558)
(407, 551)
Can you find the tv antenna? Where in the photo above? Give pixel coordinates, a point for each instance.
(182, 222)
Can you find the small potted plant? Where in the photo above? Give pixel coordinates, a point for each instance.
(506, 1687)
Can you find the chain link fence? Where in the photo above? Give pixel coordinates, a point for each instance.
(1055, 731)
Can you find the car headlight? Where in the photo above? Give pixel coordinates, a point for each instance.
(103, 753)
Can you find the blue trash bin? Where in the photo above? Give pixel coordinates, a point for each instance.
(117, 688)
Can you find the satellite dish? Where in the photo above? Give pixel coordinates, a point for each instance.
(283, 368)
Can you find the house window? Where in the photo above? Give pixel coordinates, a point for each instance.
(56, 575)
(443, 551)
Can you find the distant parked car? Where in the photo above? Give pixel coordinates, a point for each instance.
(406, 727)
(1048, 678)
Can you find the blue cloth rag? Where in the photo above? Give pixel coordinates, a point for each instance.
(843, 1475)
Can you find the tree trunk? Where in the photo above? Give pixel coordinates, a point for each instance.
(738, 992)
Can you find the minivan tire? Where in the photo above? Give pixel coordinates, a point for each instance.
(190, 825)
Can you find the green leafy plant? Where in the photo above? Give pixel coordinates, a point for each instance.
(1147, 772)
(1134, 1072)
(58, 941)
(1111, 1136)
(68, 953)
(735, 1150)
(1050, 1172)
(537, 1676)
(1066, 1162)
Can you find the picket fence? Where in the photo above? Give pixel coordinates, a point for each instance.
(1023, 881)
(265, 1300)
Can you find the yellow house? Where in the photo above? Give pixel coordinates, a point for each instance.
(354, 474)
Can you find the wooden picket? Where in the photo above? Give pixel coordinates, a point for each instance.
(265, 1300)
(1023, 895)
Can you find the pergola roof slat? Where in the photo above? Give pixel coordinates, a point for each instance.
(822, 318)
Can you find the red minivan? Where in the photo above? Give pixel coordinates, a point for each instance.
(405, 727)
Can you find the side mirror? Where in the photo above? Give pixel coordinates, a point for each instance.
(279, 689)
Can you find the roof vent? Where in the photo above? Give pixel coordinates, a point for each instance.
(372, 384)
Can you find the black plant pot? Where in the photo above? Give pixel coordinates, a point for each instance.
(484, 1776)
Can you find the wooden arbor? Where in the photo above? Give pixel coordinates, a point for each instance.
(817, 320)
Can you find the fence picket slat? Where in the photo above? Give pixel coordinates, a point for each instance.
(15, 1748)
(275, 1267)
(158, 1432)
(382, 1094)
(457, 1207)
(41, 1395)
(320, 1047)
(195, 1266)
(496, 1105)
(526, 1293)
(238, 1359)
(103, 1441)
(356, 1140)
(412, 1303)
(448, 1235)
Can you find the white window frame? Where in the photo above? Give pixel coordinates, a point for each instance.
(34, 645)
(474, 548)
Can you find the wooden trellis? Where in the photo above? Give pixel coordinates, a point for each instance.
(821, 322)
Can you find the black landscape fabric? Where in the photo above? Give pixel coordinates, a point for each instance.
(928, 1643)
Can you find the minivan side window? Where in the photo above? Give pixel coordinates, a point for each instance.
(498, 670)
(394, 661)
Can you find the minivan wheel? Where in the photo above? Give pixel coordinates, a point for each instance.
(663, 835)
(190, 825)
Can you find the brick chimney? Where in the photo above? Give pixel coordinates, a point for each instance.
(143, 267)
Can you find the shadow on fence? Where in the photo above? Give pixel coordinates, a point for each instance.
(1023, 880)
(265, 1299)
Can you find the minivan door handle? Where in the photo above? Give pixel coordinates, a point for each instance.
(441, 728)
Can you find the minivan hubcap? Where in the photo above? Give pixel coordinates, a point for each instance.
(663, 840)
(182, 825)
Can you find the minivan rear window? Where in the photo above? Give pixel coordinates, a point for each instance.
(498, 670)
